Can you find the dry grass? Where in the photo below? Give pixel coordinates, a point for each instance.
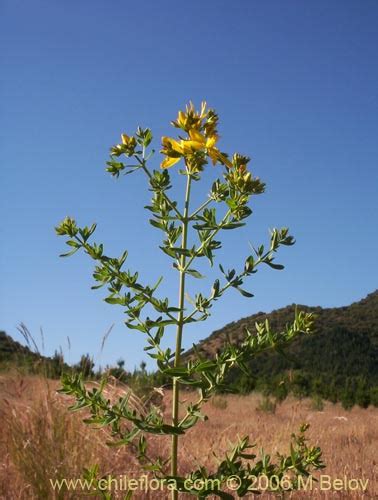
(349, 439)
(39, 439)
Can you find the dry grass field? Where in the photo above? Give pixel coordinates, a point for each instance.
(40, 440)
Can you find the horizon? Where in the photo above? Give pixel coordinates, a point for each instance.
(34, 342)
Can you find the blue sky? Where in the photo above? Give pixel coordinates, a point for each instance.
(295, 84)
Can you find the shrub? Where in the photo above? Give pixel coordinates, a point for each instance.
(267, 405)
(317, 403)
(189, 238)
(219, 402)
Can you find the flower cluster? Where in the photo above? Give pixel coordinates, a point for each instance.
(200, 142)
(67, 226)
(240, 180)
(127, 147)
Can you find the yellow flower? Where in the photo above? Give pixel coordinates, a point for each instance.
(191, 118)
(125, 139)
(127, 147)
(175, 150)
(171, 144)
(169, 162)
(200, 142)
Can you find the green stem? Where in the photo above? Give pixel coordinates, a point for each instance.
(149, 175)
(116, 271)
(202, 207)
(195, 310)
(229, 284)
(180, 325)
(208, 239)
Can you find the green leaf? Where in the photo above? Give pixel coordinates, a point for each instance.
(169, 251)
(157, 224)
(115, 300)
(73, 243)
(176, 372)
(135, 327)
(279, 267)
(244, 292)
(194, 273)
(205, 365)
(233, 225)
(69, 253)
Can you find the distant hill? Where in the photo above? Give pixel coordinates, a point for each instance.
(338, 362)
(12, 350)
(13, 354)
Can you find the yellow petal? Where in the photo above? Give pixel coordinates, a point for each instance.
(181, 117)
(189, 107)
(169, 162)
(168, 142)
(211, 141)
(196, 136)
(189, 146)
(203, 109)
(216, 155)
(176, 146)
(213, 155)
(224, 160)
(125, 138)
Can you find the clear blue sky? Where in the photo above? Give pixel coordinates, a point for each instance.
(295, 83)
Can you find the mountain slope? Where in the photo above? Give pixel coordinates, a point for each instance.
(11, 350)
(15, 355)
(341, 357)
